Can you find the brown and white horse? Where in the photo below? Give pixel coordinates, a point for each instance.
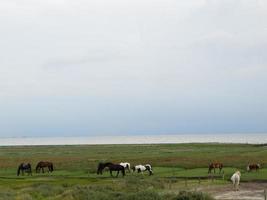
(214, 166)
(254, 166)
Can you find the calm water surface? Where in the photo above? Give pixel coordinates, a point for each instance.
(140, 139)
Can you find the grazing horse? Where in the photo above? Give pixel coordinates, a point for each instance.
(255, 167)
(214, 166)
(236, 180)
(142, 168)
(42, 165)
(112, 167)
(126, 166)
(23, 167)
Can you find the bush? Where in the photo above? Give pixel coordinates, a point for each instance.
(143, 195)
(184, 195)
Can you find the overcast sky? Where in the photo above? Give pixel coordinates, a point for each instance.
(132, 67)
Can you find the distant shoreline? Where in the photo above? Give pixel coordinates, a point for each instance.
(138, 139)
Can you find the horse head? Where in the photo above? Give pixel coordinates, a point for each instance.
(19, 168)
(101, 167)
(238, 173)
(210, 167)
(37, 168)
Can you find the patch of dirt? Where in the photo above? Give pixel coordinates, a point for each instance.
(247, 191)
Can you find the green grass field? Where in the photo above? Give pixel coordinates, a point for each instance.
(176, 167)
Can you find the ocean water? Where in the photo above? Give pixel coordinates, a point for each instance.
(138, 139)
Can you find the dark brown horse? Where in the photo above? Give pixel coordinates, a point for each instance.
(214, 166)
(112, 167)
(23, 167)
(253, 166)
(44, 164)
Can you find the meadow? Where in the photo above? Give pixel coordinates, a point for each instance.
(177, 168)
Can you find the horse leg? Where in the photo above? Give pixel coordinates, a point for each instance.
(118, 173)
(42, 169)
(110, 173)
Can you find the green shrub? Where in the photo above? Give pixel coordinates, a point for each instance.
(144, 195)
(184, 195)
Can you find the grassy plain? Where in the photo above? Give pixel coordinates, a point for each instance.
(176, 167)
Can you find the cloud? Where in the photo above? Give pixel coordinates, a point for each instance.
(155, 58)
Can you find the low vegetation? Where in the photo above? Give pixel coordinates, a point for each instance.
(179, 169)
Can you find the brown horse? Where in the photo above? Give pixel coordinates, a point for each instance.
(214, 166)
(43, 164)
(253, 166)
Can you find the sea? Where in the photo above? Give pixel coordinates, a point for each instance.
(137, 139)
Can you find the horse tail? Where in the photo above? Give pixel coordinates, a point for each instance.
(52, 167)
(123, 171)
(18, 172)
(30, 168)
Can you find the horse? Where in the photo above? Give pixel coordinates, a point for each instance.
(254, 166)
(142, 168)
(236, 180)
(112, 167)
(126, 166)
(214, 166)
(42, 165)
(23, 167)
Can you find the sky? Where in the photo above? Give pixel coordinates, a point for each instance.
(132, 67)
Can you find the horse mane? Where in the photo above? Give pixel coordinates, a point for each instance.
(108, 163)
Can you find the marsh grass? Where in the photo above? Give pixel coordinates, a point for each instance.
(75, 170)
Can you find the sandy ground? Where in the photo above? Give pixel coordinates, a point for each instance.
(247, 191)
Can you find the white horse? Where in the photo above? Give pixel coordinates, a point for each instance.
(142, 168)
(236, 180)
(126, 166)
